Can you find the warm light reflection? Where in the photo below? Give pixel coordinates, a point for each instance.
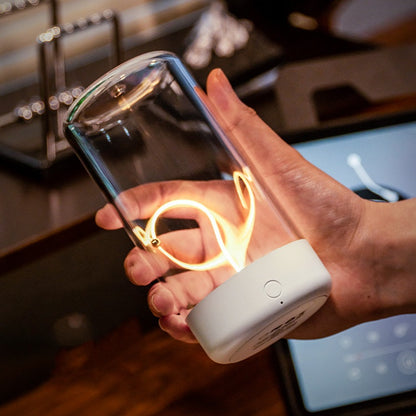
(232, 240)
(128, 100)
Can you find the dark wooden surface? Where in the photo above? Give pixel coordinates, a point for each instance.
(134, 373)
(38, 214)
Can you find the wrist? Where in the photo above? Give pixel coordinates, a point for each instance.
(389, 248)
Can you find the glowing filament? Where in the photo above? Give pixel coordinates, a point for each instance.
(233, 241)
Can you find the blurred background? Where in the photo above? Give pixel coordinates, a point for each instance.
(62, 283)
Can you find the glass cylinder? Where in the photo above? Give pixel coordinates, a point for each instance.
(186, 193)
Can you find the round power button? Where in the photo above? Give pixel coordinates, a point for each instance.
(273, 288)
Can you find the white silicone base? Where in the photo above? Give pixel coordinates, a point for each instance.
(261, 303)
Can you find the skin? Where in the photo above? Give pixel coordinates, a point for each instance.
(368, 247)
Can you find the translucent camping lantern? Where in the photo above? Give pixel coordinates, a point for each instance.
(186, 193)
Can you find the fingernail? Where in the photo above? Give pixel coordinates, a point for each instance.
(222, 79)
(154, 300)
(161, 326)
(221, 91)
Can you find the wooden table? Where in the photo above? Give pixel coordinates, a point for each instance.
(135, 373)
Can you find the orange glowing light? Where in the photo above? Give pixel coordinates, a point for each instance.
(232, 240)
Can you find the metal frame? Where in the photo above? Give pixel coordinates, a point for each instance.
(55, 95)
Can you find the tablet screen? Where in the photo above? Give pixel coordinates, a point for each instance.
(375, 359)
(369, 361)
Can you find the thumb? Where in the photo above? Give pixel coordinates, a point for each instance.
(255, 140)
(307, 193)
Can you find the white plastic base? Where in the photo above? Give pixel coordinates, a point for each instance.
(261, 303)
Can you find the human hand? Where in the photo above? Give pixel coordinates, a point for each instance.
(373, 272)
(233, 229)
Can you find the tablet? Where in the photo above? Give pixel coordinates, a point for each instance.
(369, 369)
